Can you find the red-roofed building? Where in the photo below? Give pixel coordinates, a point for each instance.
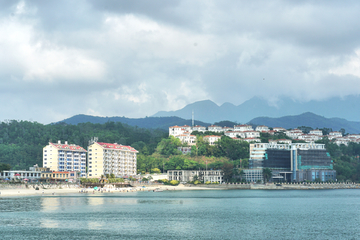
(243, 128)
(111, 158)
(65, 157)
(211, 139)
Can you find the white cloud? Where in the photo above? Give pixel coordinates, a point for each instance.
(134, 60)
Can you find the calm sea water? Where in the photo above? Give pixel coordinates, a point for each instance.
(232, 214)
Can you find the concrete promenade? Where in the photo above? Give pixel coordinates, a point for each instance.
(287, 186)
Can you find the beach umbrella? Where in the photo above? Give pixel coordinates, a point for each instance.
(25, 179)
(7, 179)
(95, 188)
(17, 175)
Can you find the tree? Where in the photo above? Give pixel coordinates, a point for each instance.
(343, 131)
(267, 173)
(4, 167)
(227, 169)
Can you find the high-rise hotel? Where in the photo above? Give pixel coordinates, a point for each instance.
(111, 158)
(65, 157)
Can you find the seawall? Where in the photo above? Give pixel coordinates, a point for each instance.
(288, 186)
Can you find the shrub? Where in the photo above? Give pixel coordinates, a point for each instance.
(208, 182)
(197, 182)
(174, 182)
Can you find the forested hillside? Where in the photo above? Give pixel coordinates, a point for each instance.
(21, 142)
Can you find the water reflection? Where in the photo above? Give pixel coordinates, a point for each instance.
(95, 225)
(49, 223)
(50, 204)
(159, 201)
(95, 201)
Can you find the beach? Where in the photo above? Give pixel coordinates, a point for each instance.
(54, 190)
(21, 192)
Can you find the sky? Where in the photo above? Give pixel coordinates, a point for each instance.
(135, 58)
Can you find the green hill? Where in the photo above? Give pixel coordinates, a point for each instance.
(148, 122)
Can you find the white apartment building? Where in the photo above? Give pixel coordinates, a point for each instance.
(187, 138)
(335, 134)
(235, 134)
(279, 129)
(111, 158)
(243, 128)
(341, 140)
(309, 137)
(211, 139)
(262, 128)
(199, 128)
(176, 130)
(283, 141)
(214, 128)
(64, 157)
(294, 134)
(252, 134)
(316, 132)
(251, 140)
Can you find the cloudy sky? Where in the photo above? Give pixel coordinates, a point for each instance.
(134, 58)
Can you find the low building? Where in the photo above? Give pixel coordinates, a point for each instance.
(202, 175)
(24, 175)
(56, 176)
(253, 175)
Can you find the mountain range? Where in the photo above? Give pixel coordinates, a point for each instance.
(148, 122)
(208, 111)
(309, 120)
(305, 119)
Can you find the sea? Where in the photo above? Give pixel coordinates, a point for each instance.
(203, 214)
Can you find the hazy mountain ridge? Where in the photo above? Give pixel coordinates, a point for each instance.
(208, 111)
(310, 120)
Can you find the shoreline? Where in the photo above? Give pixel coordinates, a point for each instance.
(22, 192)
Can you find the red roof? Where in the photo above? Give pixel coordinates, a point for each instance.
(117, 146)
(70, 147)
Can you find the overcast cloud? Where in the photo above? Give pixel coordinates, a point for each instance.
(134, 58)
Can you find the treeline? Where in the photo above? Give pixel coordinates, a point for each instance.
(21, 142)
(346, 160)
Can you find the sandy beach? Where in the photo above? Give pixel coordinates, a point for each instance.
(68, 191)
